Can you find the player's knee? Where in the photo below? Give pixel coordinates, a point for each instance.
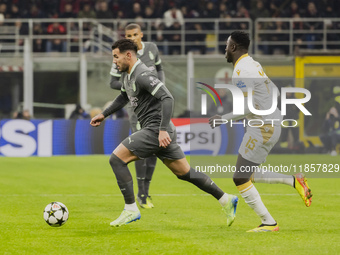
(240, 178)
(115, 162)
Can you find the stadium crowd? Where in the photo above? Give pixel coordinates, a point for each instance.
(131, 9)
(171, 15)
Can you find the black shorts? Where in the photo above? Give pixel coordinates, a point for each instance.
(144, 143)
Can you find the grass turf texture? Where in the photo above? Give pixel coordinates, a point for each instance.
(184, 220)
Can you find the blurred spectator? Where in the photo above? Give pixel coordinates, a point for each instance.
(231, 5)
(331, 37)
(281, 34)
(50, 7)
(173, 15)
(39, 45)
(330, 136)
(274, 10)
(103, 11)
(3, 10)
(68, 12)
(87, 12)
(56, 45)
(312, 12)
(261, 38)
(174, 37)
(188, 14)
(159, 8)
(136, 11)
(14, 14)
(210, 12)
(329, 12)
(223, 11)
(35, 13)
(79, 113)
(160, 39)
(149, 13)
(25, 114)
(72, 26)
(176, 10)
(196, 38)
(242, 12)
(259, 11)
(293, 9)
(75, 5)
(297, 25)
(224, 33)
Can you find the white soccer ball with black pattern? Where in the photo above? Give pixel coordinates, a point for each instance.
(56, 214)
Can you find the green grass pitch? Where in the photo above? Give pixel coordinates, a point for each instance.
(184, 220)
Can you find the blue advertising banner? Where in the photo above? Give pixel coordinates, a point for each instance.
(44, 138)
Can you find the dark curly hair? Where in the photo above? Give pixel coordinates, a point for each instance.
(241, 39)
(124, 45)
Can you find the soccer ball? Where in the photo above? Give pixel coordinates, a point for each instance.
(56, 214)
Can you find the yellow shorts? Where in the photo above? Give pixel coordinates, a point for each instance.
(258, 141)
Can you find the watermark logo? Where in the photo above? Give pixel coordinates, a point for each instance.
(239, 103)
(204, 97)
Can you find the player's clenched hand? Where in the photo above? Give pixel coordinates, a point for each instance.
(96, 120)
(164, 139)
(213, 123)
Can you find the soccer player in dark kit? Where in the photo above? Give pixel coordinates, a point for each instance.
(153, 105)
(149, 55)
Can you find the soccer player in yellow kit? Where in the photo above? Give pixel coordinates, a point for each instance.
(258, 140)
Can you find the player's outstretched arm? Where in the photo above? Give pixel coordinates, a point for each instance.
(218, 120)
(213, 121)
(96, 120)
(116, 105)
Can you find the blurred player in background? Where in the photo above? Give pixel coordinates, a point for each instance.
(257, 141)
(153, 106)
(148, 54)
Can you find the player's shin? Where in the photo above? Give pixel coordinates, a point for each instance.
(140, 174)
(124, 180)
(203, 182)
(252, 198)
(263, 176)
(150, 168)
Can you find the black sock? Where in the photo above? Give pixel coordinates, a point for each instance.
(127, 191)
(124, 178)
(140, 174)
(203, 182)
(150, 168)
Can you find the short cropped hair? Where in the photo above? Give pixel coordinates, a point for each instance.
(241, 39)
(133, 26)
(124, 45)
